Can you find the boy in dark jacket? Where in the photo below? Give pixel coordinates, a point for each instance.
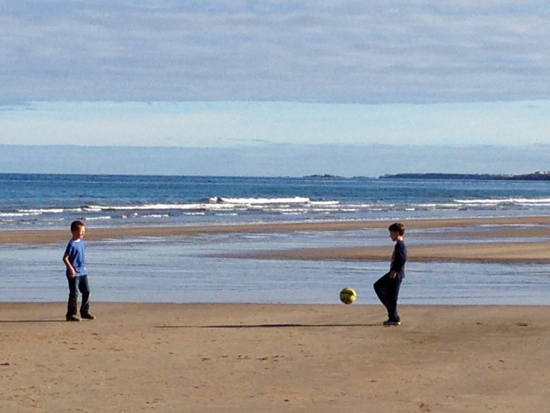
(387, 287)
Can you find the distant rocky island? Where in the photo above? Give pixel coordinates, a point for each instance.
(324, 176)
(535, 176)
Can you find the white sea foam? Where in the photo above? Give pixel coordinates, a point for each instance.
(17, 214)
(513, 201)
(324, 203)
(41, 211)
(145, 207)
(250, 201)
(218, 204)
(288, 210)
(254, 208)
(45, 211)
(98, 218)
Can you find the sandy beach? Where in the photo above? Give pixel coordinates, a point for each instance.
(273, 358)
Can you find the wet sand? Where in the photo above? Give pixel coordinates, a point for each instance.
(499, 227)
(535, 252)
(481, 240)
(273, 358)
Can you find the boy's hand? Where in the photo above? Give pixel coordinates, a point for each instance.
(70, 268)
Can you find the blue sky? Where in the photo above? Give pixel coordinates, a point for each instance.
(229, 73)
(226, 124)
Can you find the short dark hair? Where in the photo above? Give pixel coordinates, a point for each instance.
(397, 227)
(77, 225)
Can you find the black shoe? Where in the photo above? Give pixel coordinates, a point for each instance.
(87, 316)
(392, 323)
(72, 317)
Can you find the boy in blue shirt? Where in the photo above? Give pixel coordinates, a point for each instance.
(387, 287)
(74, 259)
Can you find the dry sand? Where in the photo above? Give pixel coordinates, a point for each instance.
(274, 358)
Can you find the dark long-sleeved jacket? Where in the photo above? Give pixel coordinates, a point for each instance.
(399, 257)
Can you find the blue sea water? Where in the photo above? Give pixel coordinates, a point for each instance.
(184, 269)
(51, 201)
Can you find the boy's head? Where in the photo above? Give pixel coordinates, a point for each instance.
(397, 230)
(78, 229)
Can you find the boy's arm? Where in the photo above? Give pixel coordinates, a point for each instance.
(399, 259)
(70, 268)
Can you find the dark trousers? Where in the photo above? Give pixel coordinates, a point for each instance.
(76, 284)
(387, 290)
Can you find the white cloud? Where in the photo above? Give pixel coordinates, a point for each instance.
(329, 51)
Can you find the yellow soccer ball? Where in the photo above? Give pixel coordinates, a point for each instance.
(348, 295)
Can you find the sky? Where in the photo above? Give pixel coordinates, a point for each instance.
(233, 74)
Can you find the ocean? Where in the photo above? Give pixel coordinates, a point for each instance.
(182, 269)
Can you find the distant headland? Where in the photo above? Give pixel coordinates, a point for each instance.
(324, 176)
(535, 176)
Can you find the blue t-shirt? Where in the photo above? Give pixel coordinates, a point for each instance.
(75, 251)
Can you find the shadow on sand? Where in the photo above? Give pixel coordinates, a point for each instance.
(32, 321)
(237, 326)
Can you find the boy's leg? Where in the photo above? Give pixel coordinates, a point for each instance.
(381, 287)
(393, 294)
(73, 298)
(380, 290)
(84, 288)
(387, 290)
